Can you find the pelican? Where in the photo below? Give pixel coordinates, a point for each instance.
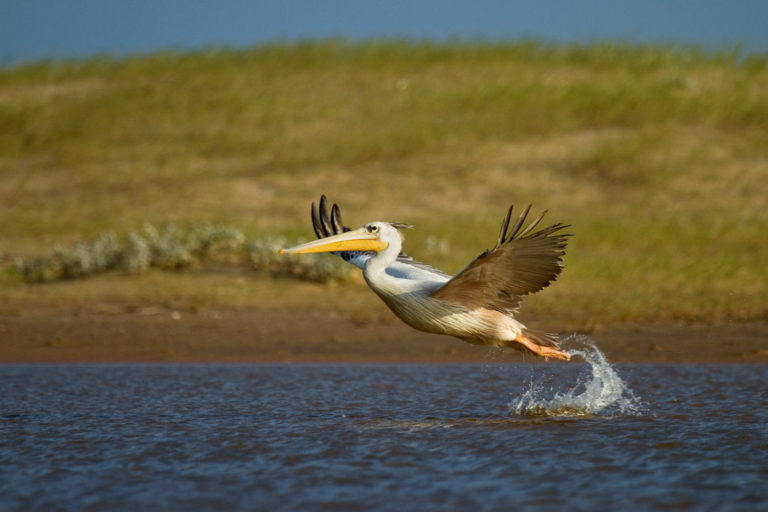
(478, 304)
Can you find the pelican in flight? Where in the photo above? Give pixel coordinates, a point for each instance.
(476, 305)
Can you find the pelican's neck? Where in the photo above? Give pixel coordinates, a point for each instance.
(375, 271)
(391, 283)
(379, 263)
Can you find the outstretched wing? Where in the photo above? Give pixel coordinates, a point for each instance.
(522, 262)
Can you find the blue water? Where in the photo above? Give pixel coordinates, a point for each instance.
(573, 436)
(37, 29)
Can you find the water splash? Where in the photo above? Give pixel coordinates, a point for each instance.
(602, 392)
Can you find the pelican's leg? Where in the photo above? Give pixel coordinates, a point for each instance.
(540, 350)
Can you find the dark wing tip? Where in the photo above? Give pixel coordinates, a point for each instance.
(324, 217)
(324, 223)
(317, 224)
(518, 223)
(517, 231)
(533, 223)
(338, 225)
(505, 226)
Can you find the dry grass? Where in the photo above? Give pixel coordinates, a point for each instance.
(657, 156)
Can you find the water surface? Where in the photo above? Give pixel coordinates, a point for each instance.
(384, 437)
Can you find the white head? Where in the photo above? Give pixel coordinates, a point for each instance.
(383, 238)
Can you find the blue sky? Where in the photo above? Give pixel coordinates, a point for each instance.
(38, 29)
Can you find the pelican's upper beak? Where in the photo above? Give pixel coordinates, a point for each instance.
(357, 240)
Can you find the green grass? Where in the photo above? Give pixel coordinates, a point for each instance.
(657, 156)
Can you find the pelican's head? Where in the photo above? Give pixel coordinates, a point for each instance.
(374, 236)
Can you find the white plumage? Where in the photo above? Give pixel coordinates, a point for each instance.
(476, 305)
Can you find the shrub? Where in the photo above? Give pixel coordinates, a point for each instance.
(174, 248)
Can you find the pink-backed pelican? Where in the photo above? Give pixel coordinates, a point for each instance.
(476, 305)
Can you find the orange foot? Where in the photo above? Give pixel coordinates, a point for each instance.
(542, 351)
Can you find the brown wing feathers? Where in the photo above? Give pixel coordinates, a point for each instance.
(522, 262)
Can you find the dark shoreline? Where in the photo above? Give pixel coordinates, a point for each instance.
(307, 336)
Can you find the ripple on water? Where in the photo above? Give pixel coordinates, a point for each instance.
(383, 437)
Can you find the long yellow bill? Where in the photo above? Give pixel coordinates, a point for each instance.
(357, 240)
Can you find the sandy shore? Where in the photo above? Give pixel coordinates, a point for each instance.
(125, 334)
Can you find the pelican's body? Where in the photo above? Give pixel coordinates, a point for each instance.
(477, 305)
(408, 291)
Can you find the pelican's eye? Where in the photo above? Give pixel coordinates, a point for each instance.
(373, 228)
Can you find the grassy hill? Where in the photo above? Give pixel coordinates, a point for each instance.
(658, 157)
